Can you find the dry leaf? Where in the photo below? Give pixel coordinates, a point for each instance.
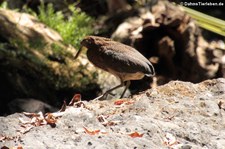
(2, 138)
(91, 132)
(123, 101)
(23, 121)
(28, 114)
(25, 129)
(135, 135)
(119, 102)
(50, 119)
(76, 98)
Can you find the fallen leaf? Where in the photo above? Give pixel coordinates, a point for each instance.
(123, 101)
(129, 102)
(28, 114)
(23, 121)
(91, 132)
(76, 98)
(2, 138)
(135, 135)
(119, 102)
(25, 129)
(50, 119)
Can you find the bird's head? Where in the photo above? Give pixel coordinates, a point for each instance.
(92, 42)
(87, 41)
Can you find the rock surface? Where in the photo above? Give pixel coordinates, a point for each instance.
(175, 115)
(34, 63)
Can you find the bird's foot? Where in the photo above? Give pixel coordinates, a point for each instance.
(112, 94)
(99, 98)
(104, 96)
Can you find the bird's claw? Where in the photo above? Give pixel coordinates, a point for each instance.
(112, 94)
(104, 96)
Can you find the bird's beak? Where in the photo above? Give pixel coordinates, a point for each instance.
(79, 51)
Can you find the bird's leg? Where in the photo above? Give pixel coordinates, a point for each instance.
(110, 90)
(103, 96)
(126, 87)
(113, 94)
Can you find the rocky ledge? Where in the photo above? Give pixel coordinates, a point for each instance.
(175, 115)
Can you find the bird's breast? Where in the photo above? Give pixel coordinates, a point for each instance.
(124, 76)
(96, 59)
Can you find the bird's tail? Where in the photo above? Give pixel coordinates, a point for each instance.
(152, 72)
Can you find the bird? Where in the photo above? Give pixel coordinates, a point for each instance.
(121, 60)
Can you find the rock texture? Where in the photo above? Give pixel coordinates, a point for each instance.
(34, 63)
(175, 115)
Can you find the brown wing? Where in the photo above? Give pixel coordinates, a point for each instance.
(122, 58)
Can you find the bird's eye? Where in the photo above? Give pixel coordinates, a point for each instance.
(91, 40)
